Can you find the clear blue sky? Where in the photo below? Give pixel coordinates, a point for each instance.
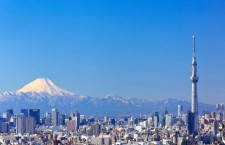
(125, 47)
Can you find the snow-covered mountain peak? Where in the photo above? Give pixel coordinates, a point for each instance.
(44, 86)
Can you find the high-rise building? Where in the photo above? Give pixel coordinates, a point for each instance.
(169, 120)
(223, 116)
(194, 94)
(150, 121)
(179, 111)
(156, 119)
(112, 121)
(217, 107)
(62, 118)
(96, 128)
(24, 111)
(8, 114)
(35, 113)
(213, 115)
(220, 107)
(25, 124)
(4, 127)
(55, 117)
(30, 124)
(166, 111)
(5, 115)
(48, 118)
(106, 119)
(71, 125)
(20, 124)
(190, 122)
(83, 120)
(76, 117)
(161, 119)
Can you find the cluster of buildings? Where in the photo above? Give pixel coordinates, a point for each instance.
(191, 128)
(157, 128)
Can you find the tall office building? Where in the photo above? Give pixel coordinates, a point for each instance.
(156, 119)
(96, 129)
(5, 115)
(20, 124)
(223, 116)
(106, 119)
(71, 126)
(220, 107)
(25, 124)
(190, 122)
(194, 93)
(112, 121)
(24, 111)
(179, 111)
(217, 107)
(161, 119)
(76, 117)
(55, 117)
(30, 124)
(62, 118)
(35, 113)
(4, 127)
(150, 121)
(8, 114)
(48, 119)
(169, 120)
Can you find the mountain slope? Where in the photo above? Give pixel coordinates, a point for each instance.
(45, 86)
(44, 94)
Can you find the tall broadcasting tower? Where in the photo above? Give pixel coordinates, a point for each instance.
(194, 93)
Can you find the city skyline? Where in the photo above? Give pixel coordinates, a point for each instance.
(114, 72)
(114, 49)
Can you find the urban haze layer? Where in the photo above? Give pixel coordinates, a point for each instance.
(158, 128)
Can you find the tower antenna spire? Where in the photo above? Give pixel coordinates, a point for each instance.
(194, 93)
(193, 39)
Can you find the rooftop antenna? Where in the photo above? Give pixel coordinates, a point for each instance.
(193, 39)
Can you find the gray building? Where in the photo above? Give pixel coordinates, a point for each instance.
(20, 124)
(55, 117)
(25, 124)
(76, 117)
(30, 124)
(179, 111)
(96, 129)
(4, 127)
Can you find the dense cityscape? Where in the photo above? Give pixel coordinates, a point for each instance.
(158, 128)
(28, 127)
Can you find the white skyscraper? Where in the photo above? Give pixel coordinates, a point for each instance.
(194, 93)
(169, 120)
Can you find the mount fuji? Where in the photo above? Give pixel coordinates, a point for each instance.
(42, 93)
(44, 86)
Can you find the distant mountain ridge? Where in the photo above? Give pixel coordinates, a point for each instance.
(42, 93)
